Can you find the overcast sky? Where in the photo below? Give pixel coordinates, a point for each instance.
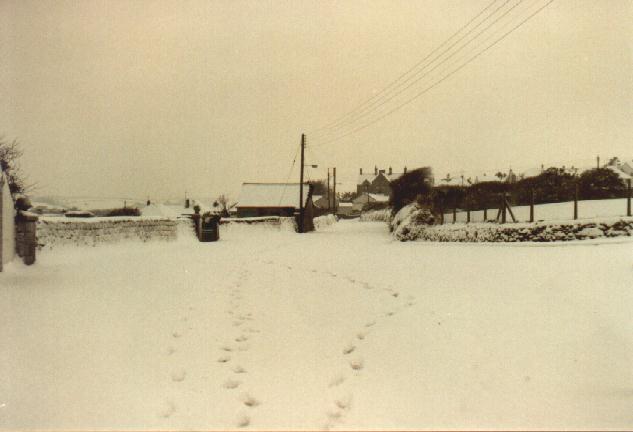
(152, 98)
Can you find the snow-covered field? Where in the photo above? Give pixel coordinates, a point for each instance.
(343, 328)
(587, 209)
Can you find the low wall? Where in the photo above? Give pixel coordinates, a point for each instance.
(536, 232)
(93, 231)
(268, 222)
(405, 228)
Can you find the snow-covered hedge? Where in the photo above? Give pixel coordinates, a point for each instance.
(406, 226)
(324, 221)
(93, 231)
(383, 215)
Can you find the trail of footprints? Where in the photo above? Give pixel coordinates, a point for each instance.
(232, 348)
(350, 352)
(177, 375)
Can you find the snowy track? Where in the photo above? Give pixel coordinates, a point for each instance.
(339, 329)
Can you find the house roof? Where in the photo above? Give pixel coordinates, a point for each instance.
(271, 195)
(372, 197)
(371, 177)
(619, 172)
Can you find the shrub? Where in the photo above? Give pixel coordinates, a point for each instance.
(601, 183)
(123, 211)
(415, 185)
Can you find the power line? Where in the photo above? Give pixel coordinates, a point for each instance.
(332, 124)
(441, 80)
(283, 191)
(402, 90)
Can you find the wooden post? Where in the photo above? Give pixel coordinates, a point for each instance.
(575, 202)
(329, 207)
(334, 204)
(532, 205)
(485, 214)
(503, 208)
(454, 213)
(628, 198)
(467, 212)
(301, 211)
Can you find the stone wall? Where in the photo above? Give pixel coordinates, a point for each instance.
(94, 231)
(408, 225)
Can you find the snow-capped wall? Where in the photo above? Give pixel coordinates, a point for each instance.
(405, 227)
(93, 231)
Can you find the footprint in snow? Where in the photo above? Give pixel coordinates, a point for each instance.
(241, 338)
(361, 335)
(337, 380)
(176, 335)
(238, 369)
(178, 376)
(231, 384)
(224, 359)
(243, 421)
(226, 348)
(249, 400)
(171, 350)
(168, 410)
(344, 402)
(370, 323)
(349, 349)
(395, 294)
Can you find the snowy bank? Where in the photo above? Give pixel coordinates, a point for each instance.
(92, 231)
(324, 221)
(406, 226)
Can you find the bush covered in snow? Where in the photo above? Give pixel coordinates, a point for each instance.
(324, 221)
(383, 215)
(411, 224)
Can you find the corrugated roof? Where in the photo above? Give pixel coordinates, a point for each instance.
(271, 195)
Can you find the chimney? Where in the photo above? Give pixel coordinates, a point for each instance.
(361, 171)
(390, 171)
(375, 170)
(405, 170)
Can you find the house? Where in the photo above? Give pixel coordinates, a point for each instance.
(369, 198)
(378, 182)
(275, 199)
(7, 222)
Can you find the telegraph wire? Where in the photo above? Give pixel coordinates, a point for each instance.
(407, 101)
(334, 123)
(400, 91)
(357, 112)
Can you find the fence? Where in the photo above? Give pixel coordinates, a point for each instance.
(472, 205)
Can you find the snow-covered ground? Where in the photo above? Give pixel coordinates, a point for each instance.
(343, 328)
(587, 209)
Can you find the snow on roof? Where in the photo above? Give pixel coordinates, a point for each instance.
(619, 172)
(371, 177)
(271, 195)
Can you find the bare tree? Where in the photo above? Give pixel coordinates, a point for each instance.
(224, 205)
(10, 152)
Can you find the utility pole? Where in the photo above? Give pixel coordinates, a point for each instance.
(334, 188)
(303, 145)
(329, 207)
(598, 161)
